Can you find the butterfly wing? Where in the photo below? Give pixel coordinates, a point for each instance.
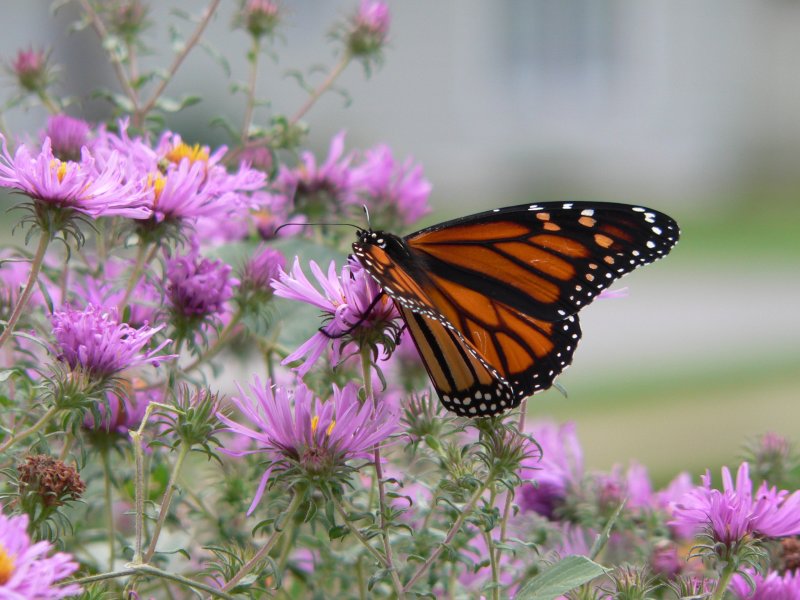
(467, 383)
(544, 260)
(497, 293)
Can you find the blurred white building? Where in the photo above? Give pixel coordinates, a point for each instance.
(651, 101)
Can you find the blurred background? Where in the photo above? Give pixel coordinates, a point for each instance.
(689, 107)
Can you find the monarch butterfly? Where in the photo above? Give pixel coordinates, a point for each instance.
(491, 299)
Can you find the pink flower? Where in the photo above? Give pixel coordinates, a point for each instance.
(199, 287)
(557, 471)
(95, 341)
(349, 305)
(30, 67)
(730, 514)
(396, 194)
(68, 136)
(319, 190)
(26, 570)
(300, 431)
(771, 586)
(81, 186)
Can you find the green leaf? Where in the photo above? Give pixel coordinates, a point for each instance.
(338, 531)
(558, 579)
(603, 537)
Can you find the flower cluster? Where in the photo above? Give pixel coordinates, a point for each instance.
(395, 193)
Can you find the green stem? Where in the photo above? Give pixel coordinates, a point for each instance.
(36, 266)
(493, 561)
(456, 527)
(218, 344)
(30, 430)
(366, 368)
(109, 509)
(255, 51)
(149, 570)
(295, 503)
(356, 532)
(48, 103)
(509, 496)
(724, 580)
(138, 452)
(162, 515)
(323, 87)
(142, 259)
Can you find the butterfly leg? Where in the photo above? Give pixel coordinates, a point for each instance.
(354, 326)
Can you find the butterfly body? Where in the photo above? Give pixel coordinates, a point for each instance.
(491, 299)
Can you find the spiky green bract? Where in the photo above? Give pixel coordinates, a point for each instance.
(192, 421)
(632, 583)
(502, 448)
(423, 419)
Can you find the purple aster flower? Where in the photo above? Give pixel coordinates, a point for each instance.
(227, 189)
(94, 341)
(318, 191)
(665, 559)
(198, 287)
(348, 303)
(260, 17)
(556, 472)
(265, 265)
(67, 136)
(298, 430)
(369, 29)
(396, 194)
(26, 570)
(31, 69)
(633, 486)
(733, 513)
(772, 586)
(80, 186)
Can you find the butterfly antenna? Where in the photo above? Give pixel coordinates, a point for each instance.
(366, 212)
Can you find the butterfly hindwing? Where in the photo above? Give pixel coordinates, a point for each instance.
(465, 384)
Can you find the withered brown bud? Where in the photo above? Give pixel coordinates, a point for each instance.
(790, 554)
(52, 480)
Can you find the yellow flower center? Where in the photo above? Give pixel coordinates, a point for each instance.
(314, 423)
(6, 566)
(330, 427)
(157, 182)
(60, 168)
(193, 153)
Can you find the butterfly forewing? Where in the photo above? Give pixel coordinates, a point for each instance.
(491, 299)
(547, 260)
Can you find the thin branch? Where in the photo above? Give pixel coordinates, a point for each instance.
(116, 63)
(205, 19)
(33, 276)
(297, 499)
(322, 88)
(465, 512)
